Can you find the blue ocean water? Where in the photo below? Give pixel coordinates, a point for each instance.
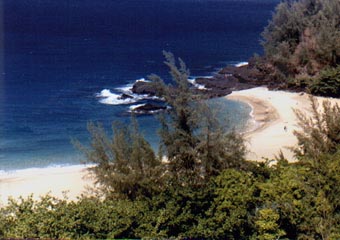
(56, 56)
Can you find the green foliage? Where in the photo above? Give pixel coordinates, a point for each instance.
(320, 132)
(267, 226)
(282, 194)
(176, 212)
(173, 213)
(303, 194)
(295, 201)
(191, 138)
(125, 166)
(216, 149)
(303, 37)
(327, 83)
(234, 203)
(88, 218)
(305, 198)
(178, 138)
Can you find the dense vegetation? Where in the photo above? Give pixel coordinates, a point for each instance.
(200, 185)
(302, 45)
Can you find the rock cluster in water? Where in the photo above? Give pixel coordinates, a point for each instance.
(228, 79)
(149, 108)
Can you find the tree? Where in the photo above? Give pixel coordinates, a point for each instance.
(125, 166)
(303, 38)
(267, 226)
(304, 197)
(191, 138)
(178, 139)
(87, 218)
(320, 132)
(302, 194)
(234, 201)
(327, 83)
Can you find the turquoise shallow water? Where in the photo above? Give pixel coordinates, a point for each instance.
(58, 55)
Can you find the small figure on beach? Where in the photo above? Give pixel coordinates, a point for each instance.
(285, 128)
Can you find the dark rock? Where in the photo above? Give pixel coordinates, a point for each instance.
(244, 74)
(149, 108)
(223, 84)
(230, 78)
(144, 88)
(125, 96)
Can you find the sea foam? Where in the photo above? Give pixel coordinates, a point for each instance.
(241, 64)
(134, 107)
(50, 170)
(196, 85)
(111, 98)
(108, 97)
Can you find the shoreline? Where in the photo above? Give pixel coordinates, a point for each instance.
(270, 130)
(262, 113)
(71, 181)
(272, 121)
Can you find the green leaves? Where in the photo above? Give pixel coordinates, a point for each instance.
(267, 226)
(320, 132)
(303, 38)
(295, 201)
(229, 215)
(125, 165)
(192, 139)
(327, 83)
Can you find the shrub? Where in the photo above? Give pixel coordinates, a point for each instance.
(327, 83)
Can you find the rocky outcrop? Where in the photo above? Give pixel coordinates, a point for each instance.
(221, 85)
(125, 96)
(149, 108)
(144, 88)
(228, 79)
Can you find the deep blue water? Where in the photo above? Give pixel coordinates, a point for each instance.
(57, 55)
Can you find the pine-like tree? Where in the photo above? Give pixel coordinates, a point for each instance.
(320, 132)
(124, 166)
(303, 37)
(194, 143)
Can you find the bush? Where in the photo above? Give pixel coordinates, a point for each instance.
(327, 83)
(303, 37)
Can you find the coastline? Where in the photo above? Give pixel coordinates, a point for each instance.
(273, 122)
(70, 181)
(270, 130)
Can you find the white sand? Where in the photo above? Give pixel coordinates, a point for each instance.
(274, 120)
(40, 181)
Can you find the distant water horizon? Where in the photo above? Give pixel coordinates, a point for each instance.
(59, 56)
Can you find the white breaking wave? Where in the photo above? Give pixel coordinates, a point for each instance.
(36, 171)
(111, 98)
(127, 89)
(104, 93)
(107, 97)
(241, 64)
(196, 85)
(142, 80)
(134, 107)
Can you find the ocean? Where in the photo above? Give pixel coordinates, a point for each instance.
(57, 57)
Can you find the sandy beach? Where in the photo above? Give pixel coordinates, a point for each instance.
(270, 130)
(273, 120)
(56, 181)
